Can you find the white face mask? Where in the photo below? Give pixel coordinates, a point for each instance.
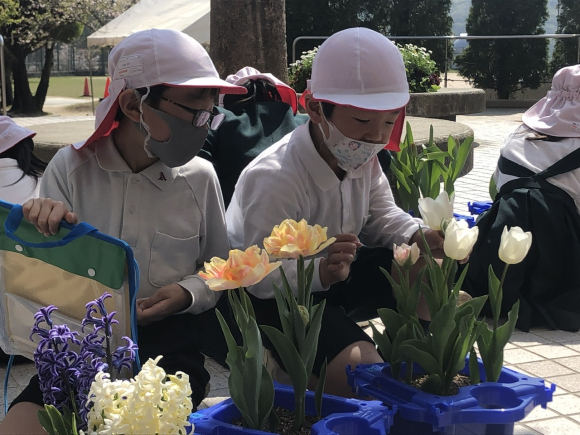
(350, 154)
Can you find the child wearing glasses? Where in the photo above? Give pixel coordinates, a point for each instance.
(137, 178)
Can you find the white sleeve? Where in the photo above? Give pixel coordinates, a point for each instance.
(54, 183)
(253, 213)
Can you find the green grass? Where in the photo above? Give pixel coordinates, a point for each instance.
(70, 86)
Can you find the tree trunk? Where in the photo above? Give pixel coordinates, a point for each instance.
(23, 99)
(7, 86)
(249, 33)
(42, 89)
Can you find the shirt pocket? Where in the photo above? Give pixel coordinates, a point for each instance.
(172, 259)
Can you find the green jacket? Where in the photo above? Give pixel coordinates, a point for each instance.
(243, 135)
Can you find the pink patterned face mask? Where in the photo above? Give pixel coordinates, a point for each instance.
(350, 154)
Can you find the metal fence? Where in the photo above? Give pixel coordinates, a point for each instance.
(453, 37)
(69, 60)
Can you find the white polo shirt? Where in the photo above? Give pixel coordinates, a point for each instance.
(290, 180)
(14, 187)
(537, 155)
(173, 218)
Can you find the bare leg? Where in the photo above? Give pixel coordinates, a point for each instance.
(360, 352)
(22, 419)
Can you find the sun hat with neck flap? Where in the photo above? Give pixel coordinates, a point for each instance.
(11, 133)
(361, 68)
(558, 113)
(150, 58)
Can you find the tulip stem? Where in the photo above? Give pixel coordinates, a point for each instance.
(498, 297)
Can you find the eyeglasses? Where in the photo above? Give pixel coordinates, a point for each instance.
(201, 117)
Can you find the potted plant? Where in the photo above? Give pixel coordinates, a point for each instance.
(485, 397)
(86, 393)
(250, 383)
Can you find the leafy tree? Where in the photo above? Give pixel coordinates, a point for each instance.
(423, 18)
(325, 17)
(29, 25)
(566, 50)
(506, 65)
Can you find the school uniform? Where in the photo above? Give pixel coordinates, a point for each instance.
(537, 155)
(291, 180)
(15, 186)
(173, 219)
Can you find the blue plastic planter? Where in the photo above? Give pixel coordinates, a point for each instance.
(484, 409)
(340, 416)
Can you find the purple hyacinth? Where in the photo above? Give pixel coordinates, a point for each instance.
(65, 376)
(106, 321)
(124, 355)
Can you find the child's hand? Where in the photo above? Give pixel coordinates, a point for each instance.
(166, 301)
(341, 254)
(46, 214)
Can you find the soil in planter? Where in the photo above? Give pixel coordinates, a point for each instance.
(286, 418)
(460, 380)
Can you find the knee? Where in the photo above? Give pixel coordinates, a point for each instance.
(360, 352)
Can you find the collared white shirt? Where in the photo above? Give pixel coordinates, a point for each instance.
(537, 155)
(173, 218)
(15, 188)
(290, 180)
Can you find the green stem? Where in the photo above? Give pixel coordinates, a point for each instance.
(299, 404)
(409, 374)
(498, 296)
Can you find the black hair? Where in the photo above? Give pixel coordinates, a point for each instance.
(259, 91)
(30, 165)
(159, 90)
(532, 134)
(327, 109)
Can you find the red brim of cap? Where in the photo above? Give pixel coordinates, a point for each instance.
(288, 96)
(107, 125)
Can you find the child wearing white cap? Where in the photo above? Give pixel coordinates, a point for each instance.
(20, 169)
(327, 172)
(137, 178)
(252, 123)
(538, 189)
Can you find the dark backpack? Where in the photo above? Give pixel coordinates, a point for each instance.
(547, 282)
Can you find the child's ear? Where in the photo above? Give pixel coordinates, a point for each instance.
(129, 105)
(313, 108)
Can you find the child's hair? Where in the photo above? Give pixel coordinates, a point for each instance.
(327, 109)
(159, 91)
(259, 91)
(532, 134)
(30, 165)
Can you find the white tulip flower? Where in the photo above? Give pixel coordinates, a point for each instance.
(436, 211)
(459, 239)
(514, 245)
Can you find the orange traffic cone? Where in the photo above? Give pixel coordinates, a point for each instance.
(86, 92)
(106, 94)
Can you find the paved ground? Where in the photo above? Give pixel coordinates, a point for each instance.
(552, 355)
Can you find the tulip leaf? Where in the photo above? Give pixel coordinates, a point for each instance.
(422, 358)
(430, 298)
(383, 343)
(441, 327)
(265, 398)
(234, 356)
(474, 367)
(252, 371)
(308, 352)
(433, 385)
(462, 154)
(290, 358)
(495, 293)
(414, 295)
(318, 394)
(301, 281)
(283, 311)
(476, 304)
(392, 321)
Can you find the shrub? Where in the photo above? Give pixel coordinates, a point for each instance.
(421, 70)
